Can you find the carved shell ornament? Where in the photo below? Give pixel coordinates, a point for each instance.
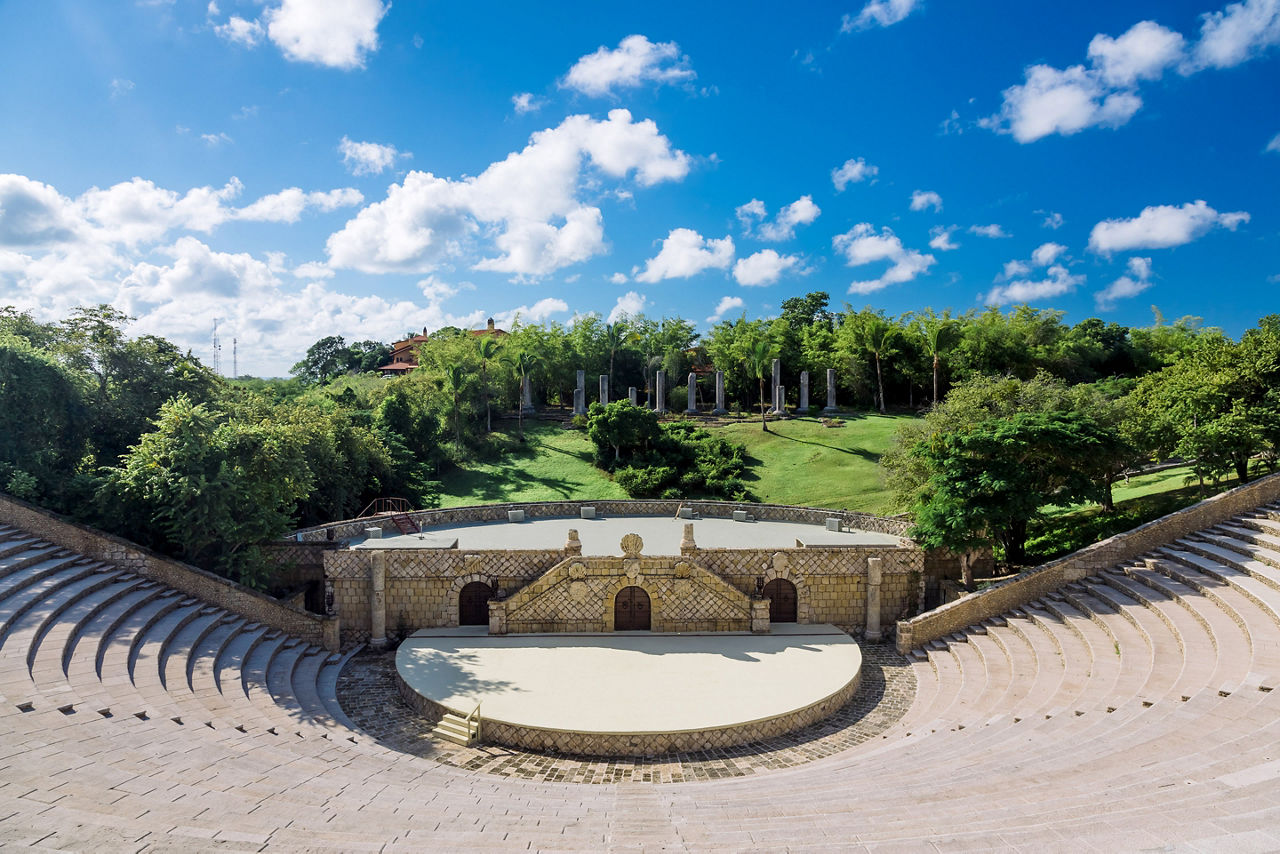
(631, 545)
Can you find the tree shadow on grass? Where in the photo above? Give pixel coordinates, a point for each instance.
(854, 452)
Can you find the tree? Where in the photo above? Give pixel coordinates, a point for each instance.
(44, 409)
(938, 332)
(621, 427)
(616, 337)
(878, 337)
(366, 356)
(487, 348)
(325, 359)
(522, 364)
(759, 360)
(455, 383)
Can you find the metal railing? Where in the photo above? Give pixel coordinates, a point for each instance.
(380, 506)
(473, 736)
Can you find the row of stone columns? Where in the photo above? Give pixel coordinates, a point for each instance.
(778, 398)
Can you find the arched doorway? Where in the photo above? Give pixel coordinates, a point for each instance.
(473, 604)
(782, 600)
(631, 610)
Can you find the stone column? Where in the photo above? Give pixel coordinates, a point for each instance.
(631, 395)
(580, 396)
(378, 600)
(719, 410)
(660, 392)
(804, 393)
(604, 389)
(692, 408)
(873, 599)
(687, 544)
(573, 545)
(760, 616)
(777, 383)
(526, 397)
(781, 407)
(831, 390)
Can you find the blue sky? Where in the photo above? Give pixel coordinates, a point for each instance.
(298, 168)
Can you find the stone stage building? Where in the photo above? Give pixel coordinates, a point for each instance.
(852, 570)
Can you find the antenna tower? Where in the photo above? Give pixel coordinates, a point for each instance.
(235, 358)
(217, 350)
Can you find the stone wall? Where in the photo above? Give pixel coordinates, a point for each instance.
(214, 589)
(1034, 583)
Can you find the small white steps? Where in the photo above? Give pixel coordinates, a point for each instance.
(457, 729)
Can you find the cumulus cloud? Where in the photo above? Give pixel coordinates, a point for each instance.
(995, 230)
(541, 310)
(213, 140)
(1061, 101)
(618, 278)
(726, 305)
(634, 62)
(1046, 253)
(368, 158)
(628, 305)
(288, 205)
(1161, 227)
(528, 204)
(120, 87)
(524, 102)
(853, 171)
(863, 245)
(687, 253)
(1052, 219)
(1135, 282)
(879, 13)
(1238, 33)
(763, 268)
(753, 214)
(1058, 281)
(239, 31)
(940, 238)
(925, 199)
(335, 33)
(1142, 53)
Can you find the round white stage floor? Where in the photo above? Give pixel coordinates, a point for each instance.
(630, 693)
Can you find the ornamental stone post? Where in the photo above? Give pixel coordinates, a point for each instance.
(526, 396)
(604, 389)
(777, 382)
(719, 410)
(804, 393)
(660, 392)
(781, 408)
(631, 395)
(378, 600)
(688, 546)
(873, 599)
(831, 390)
(580, 395)
(692, 408)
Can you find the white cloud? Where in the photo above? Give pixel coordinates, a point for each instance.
(288, 205)
(213, 140)
(1137, 281)
(368, 158)
(334, 33)
(879, 13)
(121, 87)
(312, 270)
(1015, 268)
(33, 214)
(237, 30)
(763, 268)
(1059, 281)
(800, 212)
(1274, 144)
(925, 199)
(1238, 33)
(634, 62)
(1052, 219)
(1161, 227)
(528, 204)
(524, 103)
(1142, 53)
(628, 305)
(726, 305)
(940, 238)
(862, 245)
(137, 211)
(618, 278)
(1064, 102)
(994, 230)
(687, 253)
(536, 313)
(853, 172)
(1046, 253)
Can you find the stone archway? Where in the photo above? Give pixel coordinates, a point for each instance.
(781, 594)
(473, 604)
(453, 601)
(781, 569)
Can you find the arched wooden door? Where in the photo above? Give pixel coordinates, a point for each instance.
(631, 610)
(782, 600)
(473, 604)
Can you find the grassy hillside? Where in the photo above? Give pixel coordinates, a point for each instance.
(799, 462)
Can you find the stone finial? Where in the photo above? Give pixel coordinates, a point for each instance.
(687, 544)
(631, 545)
(573, 545)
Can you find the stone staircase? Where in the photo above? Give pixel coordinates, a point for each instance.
(1133, 709)
(457, 729)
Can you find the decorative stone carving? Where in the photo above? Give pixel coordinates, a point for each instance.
(573, 545)
(631, 545)
(577, 570)
(684, 570)
(579, 591)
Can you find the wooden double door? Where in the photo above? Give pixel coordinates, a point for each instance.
(631, 611)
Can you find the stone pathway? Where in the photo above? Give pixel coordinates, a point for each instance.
(367, 692)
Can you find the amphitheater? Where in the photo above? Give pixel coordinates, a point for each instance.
(1121, 698)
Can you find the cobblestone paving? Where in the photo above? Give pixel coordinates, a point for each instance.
(366, 690)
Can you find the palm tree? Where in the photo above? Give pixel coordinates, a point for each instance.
(487, 347)
(877, 337)
(760, 365)
(455, 379)
(522, 364)
(616, 336)
(938, 337)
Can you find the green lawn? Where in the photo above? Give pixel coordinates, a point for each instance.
(802, 462)
(1168, 480)
(555, 465)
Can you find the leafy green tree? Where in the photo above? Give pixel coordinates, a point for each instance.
(522, 365)
(878, 337)
(759, 361)
(44, 416)
(325, 359)
(939, 333)
(487, 348)
(621, 428)
(366, 356)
